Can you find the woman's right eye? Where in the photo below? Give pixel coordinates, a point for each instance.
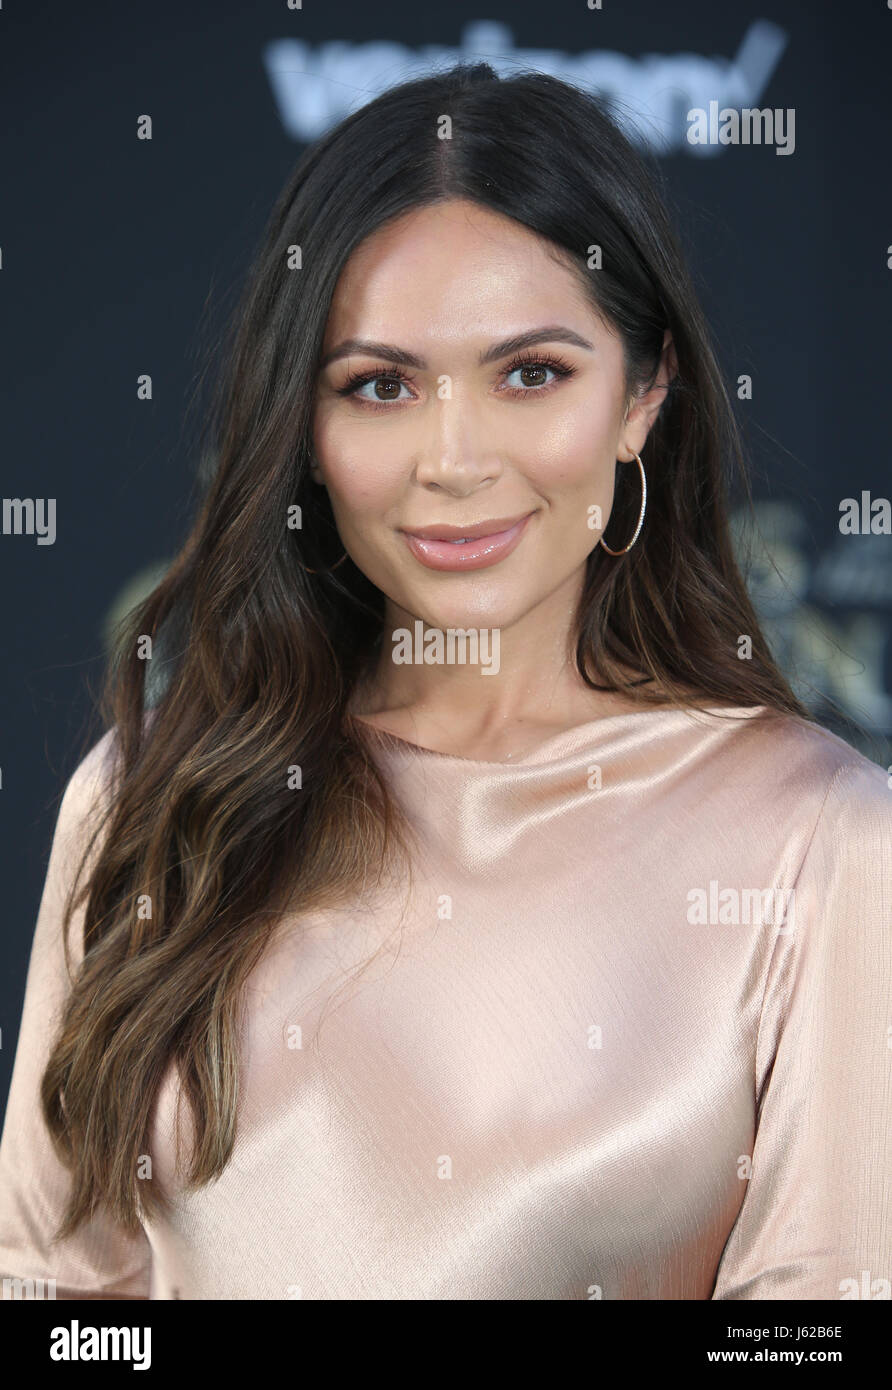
(388, 382)
(365, 386)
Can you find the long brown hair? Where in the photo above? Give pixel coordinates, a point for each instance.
(255, 659)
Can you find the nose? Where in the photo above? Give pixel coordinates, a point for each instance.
(458, 457)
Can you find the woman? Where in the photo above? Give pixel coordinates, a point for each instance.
(548, 964)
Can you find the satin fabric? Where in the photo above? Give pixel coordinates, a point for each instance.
(541, 1071)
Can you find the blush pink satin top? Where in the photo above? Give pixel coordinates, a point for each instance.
(626, 1034)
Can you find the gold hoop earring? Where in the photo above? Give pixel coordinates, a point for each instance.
(640, 514)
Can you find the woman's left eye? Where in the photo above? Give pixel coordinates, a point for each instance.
(536, 370)
(536, 376)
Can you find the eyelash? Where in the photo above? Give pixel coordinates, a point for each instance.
(561, 369)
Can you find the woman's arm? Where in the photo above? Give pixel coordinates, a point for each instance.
(100, 1260)
(816, 1222)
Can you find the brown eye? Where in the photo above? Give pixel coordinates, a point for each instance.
(386, 386)
(531, 378)
(532, 371)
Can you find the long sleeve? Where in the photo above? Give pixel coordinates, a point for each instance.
(816, 1221)
(100, 1260)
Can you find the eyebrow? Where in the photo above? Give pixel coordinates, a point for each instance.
(554, 333)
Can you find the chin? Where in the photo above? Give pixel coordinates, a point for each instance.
(458, 614)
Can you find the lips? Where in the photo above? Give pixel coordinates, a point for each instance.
(472, 532)
(466, 548)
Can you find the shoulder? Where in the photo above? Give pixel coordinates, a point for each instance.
(853, 829)
(82, 825)
(775, 785)
(799, 760)
(843, 868)
(91, 779)
(91, 788)
(81, 817)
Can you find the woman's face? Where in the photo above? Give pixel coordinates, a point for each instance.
(455, 427)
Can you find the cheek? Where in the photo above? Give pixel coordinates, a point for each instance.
(362, 471)
(574, 453)
(362, 482)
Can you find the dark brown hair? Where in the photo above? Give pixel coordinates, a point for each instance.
(255, 659)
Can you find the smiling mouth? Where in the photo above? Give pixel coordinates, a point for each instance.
(455, 548)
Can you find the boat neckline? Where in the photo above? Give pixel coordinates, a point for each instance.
(571, 734)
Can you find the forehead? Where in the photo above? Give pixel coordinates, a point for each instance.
(457, 271)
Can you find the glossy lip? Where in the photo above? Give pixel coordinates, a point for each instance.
(486, 547)
(454, 533)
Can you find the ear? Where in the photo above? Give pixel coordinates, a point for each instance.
(316, 472)
(646, 407)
